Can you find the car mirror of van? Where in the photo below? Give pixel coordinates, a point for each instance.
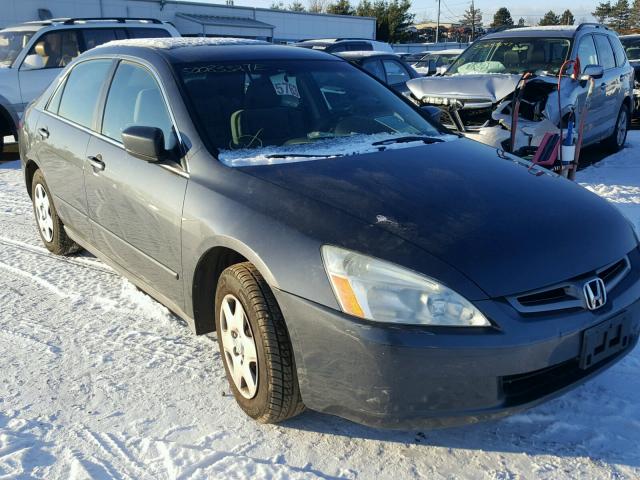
(145, 143)
(32, 62)
(592, 71)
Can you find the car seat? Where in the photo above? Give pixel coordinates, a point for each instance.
(264, 121)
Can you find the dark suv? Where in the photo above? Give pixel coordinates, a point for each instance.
(351, 256)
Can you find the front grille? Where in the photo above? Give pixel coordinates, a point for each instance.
(569, 295)
(476, 117)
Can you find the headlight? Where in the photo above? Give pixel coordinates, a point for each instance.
(377, 290)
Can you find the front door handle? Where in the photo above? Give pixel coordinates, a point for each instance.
(43, 132)
(96, 162)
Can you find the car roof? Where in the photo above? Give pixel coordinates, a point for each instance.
(366, 54)
(550, 31)
(203, 49)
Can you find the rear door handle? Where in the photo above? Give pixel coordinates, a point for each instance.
(96, 162)
(43, 132)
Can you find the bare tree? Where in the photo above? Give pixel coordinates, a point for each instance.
(317, 6)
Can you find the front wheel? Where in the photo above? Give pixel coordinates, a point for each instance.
(49, 224)
(618, 138)
(255, 346)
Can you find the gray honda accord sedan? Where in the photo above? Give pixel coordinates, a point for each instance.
(352, 257)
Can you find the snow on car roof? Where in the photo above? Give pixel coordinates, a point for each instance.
(171, 43)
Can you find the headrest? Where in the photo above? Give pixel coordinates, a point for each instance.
(261, 94)
(511, 58)
(537, 56)
(42, 49)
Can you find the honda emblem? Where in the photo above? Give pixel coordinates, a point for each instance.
(595, 293)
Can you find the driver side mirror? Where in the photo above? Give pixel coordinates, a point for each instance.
(592, 71)
(145, 143)
(32, 62)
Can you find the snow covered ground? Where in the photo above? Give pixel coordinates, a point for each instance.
(97, 380)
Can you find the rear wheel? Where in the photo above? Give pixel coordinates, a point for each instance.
(49, 224)
(618, 138)
(255, 346)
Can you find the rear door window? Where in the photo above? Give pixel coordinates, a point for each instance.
(605, 53)
(97, 36)
(396, 73)
(136, 99)
(81, 91)
(374, 67)
(618, 50)
(148, 33)
(56, 49)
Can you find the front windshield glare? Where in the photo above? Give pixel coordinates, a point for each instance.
(11, 44)
(512, 56)
(294, 106)
(632, 46)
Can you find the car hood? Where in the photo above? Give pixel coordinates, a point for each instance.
(492, 87)
(493, 219)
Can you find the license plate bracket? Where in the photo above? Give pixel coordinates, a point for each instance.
(605, 340)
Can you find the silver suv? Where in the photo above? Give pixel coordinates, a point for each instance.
(476, 92)
(33, 54)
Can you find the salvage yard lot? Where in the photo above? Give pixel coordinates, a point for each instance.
(100, 381)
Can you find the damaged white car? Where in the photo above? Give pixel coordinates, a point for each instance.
(541, 79)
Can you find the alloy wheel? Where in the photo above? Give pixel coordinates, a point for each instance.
(43, 212)
(622, 128)
(239, 346)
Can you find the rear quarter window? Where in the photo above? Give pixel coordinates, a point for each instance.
(618, 50)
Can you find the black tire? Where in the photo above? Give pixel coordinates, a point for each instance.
(60, 243)
(277, 397)
(616, 141)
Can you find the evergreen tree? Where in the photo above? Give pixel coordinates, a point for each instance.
(550, 18)
(603, 12)
(634, 18)
(341, 7)
(277, 5)
(522, 23)
(568, 18)
(364, 9)
(502, 18)
(393, 20)
(620, 16)
(296, 6)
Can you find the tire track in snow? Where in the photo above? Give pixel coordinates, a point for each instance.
(33, 278)
(80, 262)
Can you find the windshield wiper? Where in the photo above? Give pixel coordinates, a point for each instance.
(303, 155)
(408, 139)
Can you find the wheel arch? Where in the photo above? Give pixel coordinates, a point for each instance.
(30, 169)
(216, 257)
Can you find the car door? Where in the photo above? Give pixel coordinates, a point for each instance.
(64, 130)
(588, 55)
(610, 86)
(135, 206)
(46, 58)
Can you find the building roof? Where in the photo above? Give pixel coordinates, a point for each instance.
(224, 21)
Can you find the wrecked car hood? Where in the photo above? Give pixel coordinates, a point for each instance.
(490, 218)
(494, 86)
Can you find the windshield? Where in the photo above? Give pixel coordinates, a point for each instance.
(11, 44)
(632, 46)
(513, 56)
(441, 60)
(296, 109)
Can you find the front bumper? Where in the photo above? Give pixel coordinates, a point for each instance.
(411, 377)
